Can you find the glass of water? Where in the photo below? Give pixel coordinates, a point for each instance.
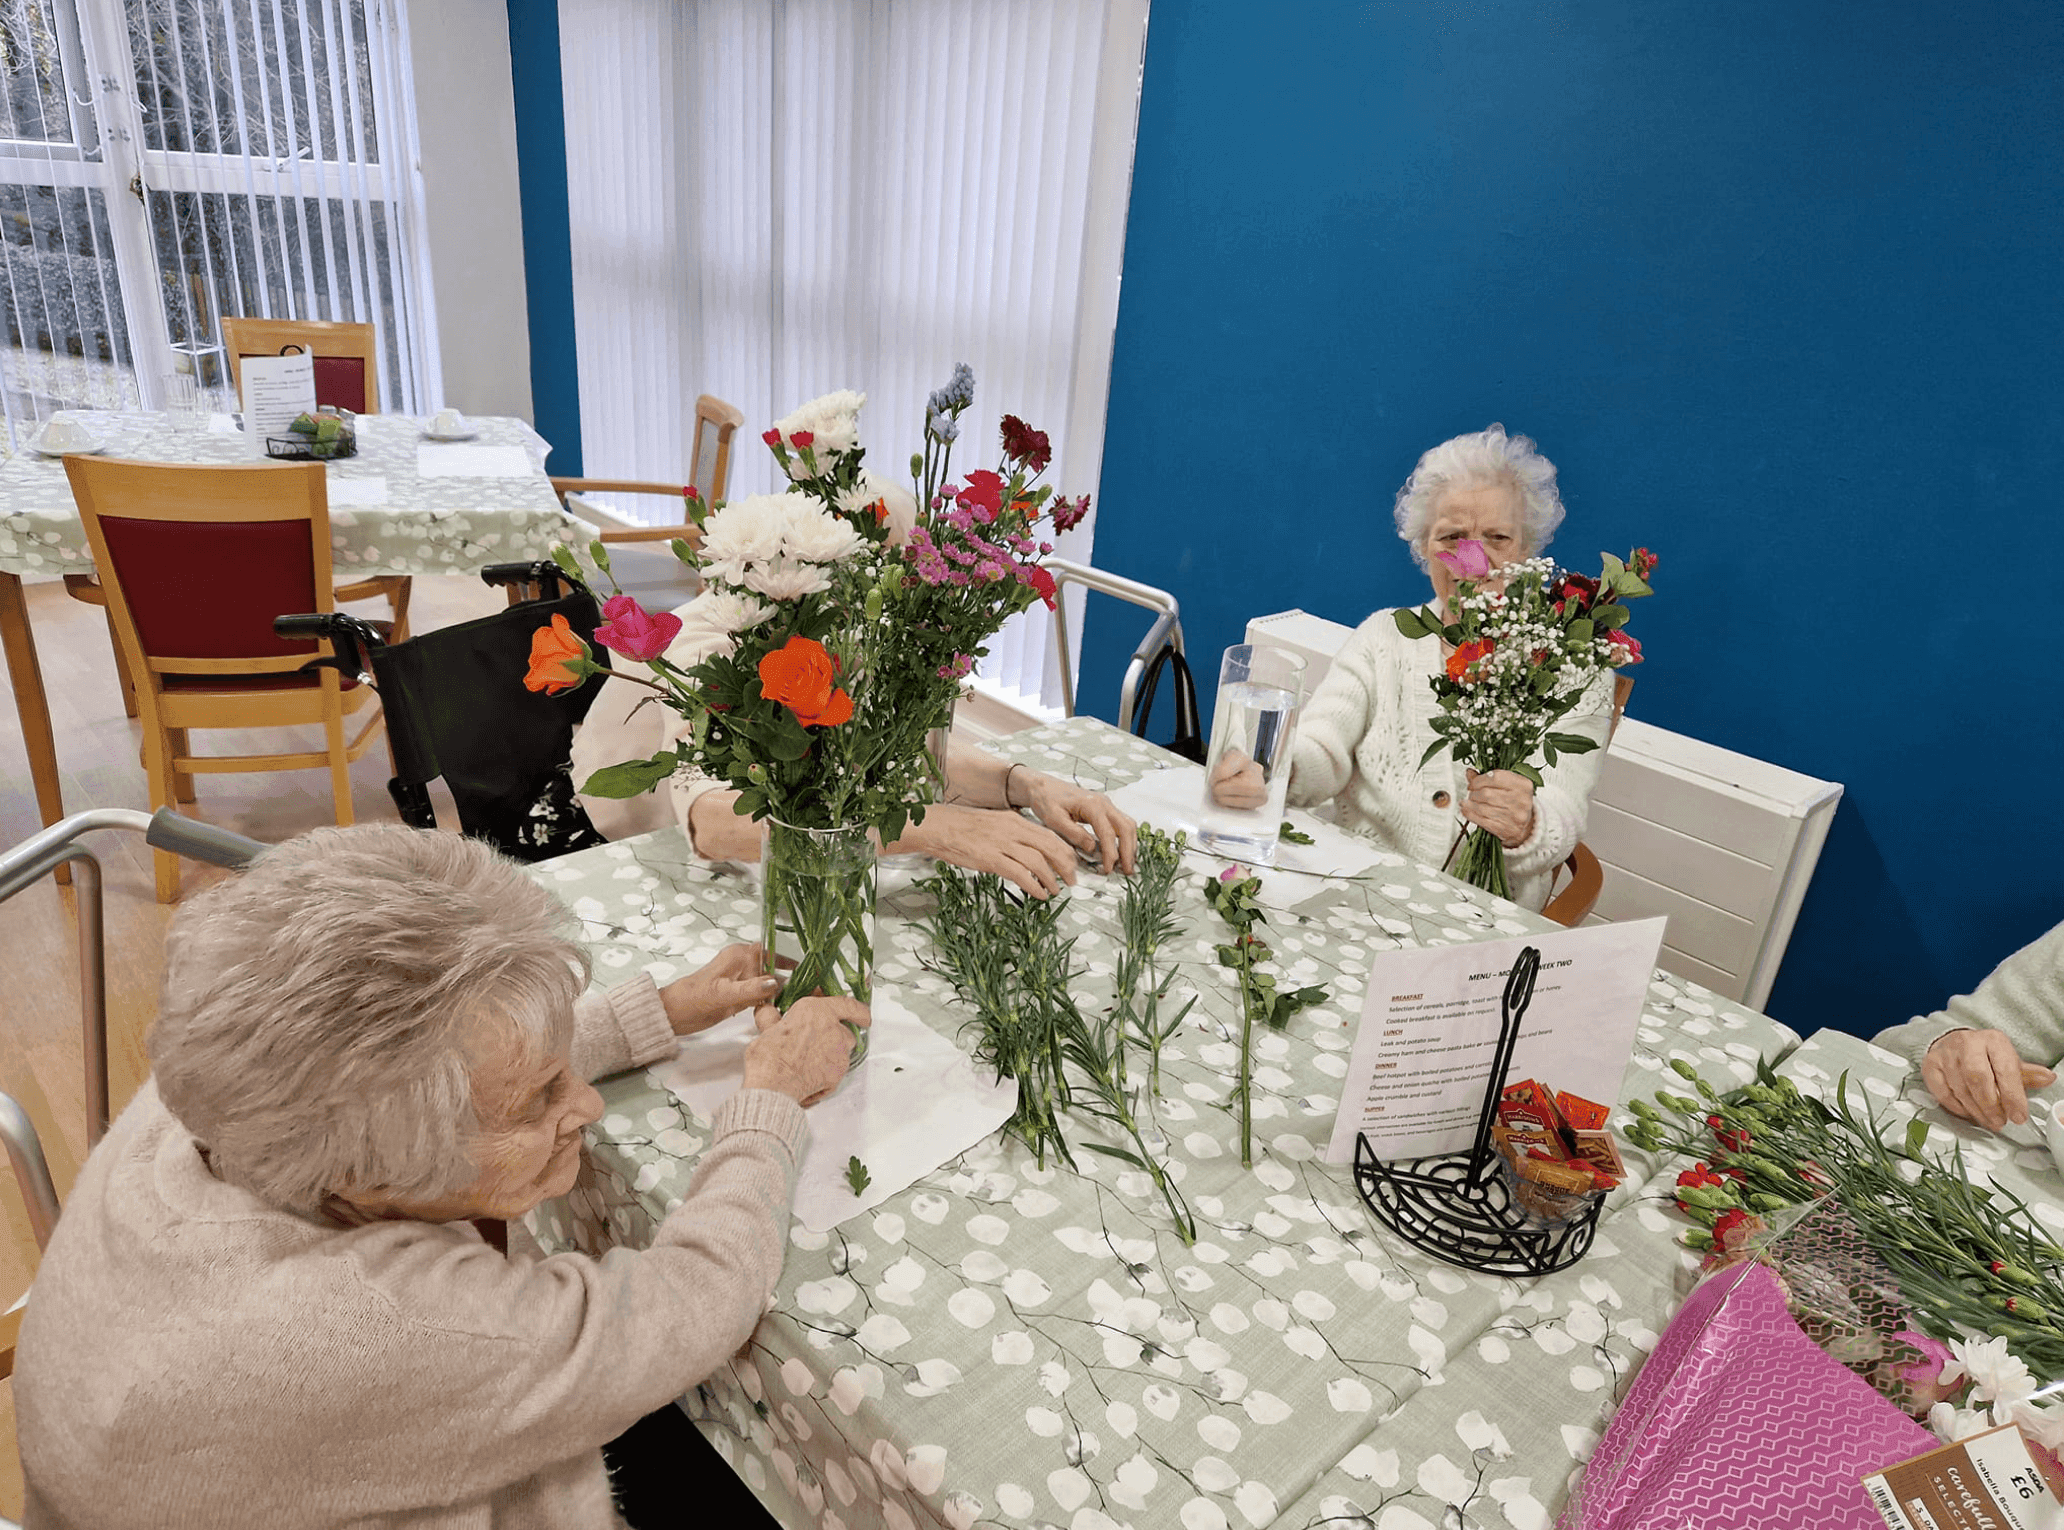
(1247, 771)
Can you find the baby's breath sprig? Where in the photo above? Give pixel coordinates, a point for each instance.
(1235, 899)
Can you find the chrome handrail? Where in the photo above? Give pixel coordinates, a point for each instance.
(58, 845)
(1167, 628)
(31, 1169)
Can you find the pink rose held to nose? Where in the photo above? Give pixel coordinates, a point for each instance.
(634, 632)
(1468, 560)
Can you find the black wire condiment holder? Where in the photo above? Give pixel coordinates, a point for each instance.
(1459, 1206)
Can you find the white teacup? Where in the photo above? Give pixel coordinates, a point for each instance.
(62, 435)
(2053, 1132)
(447, 422)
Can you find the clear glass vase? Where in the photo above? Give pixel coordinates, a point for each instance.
(817, 910)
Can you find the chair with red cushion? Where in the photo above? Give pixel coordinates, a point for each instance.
(196, 562)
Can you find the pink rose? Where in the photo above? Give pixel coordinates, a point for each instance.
(1468, 560)
(1923, 1378)
(635, 633)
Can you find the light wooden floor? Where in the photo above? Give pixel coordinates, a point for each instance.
(97, 749)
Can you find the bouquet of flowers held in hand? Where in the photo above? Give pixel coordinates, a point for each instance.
(1529, 640)
(836, 640)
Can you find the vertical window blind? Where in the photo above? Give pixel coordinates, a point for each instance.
(164, 163)
(775, 198)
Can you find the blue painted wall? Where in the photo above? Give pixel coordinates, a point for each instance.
(547, 227)
(1774, 283)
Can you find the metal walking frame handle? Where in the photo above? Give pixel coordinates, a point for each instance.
(1167, 628)
(29, 861)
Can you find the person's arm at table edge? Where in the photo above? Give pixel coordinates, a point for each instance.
(2022, 999)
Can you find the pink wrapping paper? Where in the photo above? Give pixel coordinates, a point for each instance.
(1737, 1421)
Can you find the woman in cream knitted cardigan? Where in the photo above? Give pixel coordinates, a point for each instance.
(283, 1291)
(1362, 734)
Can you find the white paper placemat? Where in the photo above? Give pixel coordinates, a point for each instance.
(371, 490)
(1173, 799)
(916, 1102)
(435, 461)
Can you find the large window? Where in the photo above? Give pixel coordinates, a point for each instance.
(775, 198)
(164, 163)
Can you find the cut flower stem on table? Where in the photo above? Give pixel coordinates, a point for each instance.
(1236, 898)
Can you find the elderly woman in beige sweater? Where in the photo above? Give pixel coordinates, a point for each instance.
(284, 1291)
(1363, 734)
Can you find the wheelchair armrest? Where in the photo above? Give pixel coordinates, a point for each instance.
(355, 639)
(544, 574)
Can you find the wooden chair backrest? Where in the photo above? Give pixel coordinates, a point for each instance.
(1622, 688)
(1573, 905)
(709, 462)
(347, 356)
(197, 561)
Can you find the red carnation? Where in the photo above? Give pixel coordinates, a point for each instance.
(802, 439)
(983, 495)
(772, 438)
(1021, 443)
(1043, 582)
(1068, 514)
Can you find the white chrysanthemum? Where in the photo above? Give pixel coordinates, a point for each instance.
(834, 423)
(2043, 1425)
(785, 579)
(1951, 1423)
(744, 531)
(1997, 1376)
(815, 535)
(725, 612)
(872, 489)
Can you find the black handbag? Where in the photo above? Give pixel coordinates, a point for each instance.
(1189, 735)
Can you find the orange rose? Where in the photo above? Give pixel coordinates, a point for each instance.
(803, 676)
(1460, 660)
(552, 652)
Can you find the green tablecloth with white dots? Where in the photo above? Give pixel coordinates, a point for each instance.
(1008, 1344)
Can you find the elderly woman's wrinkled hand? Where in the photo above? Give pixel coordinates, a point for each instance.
(804, 1053)
(1978, 1075)
(1503, 803)
(985, 839)
(1088, 820)
(737, 979)
(1237, 781)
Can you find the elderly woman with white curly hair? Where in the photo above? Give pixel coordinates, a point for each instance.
(1363, 733)
(283, 1290)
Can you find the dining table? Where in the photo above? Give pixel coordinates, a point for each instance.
(1017, 1342)
(403, 504)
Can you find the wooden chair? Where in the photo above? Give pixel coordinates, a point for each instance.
(347, 376)
(1572, 906)
(347, 356)
(716, 424)
(196, 562)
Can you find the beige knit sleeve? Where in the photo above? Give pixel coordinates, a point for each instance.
(1336, 717)
(510, 1363)
(2023, 998)
(621, 1028)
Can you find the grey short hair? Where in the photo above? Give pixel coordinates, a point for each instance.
(1471, 461)
(322, 1011)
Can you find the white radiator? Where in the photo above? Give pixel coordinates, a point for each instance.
(1720, 844)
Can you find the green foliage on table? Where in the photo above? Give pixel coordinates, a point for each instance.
(1290, 834)
(1146, 918)
(1005, 955)
(1236, 899)
(857, 1177)
(1967, 1257)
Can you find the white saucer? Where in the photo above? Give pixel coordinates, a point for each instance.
(460, 435)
